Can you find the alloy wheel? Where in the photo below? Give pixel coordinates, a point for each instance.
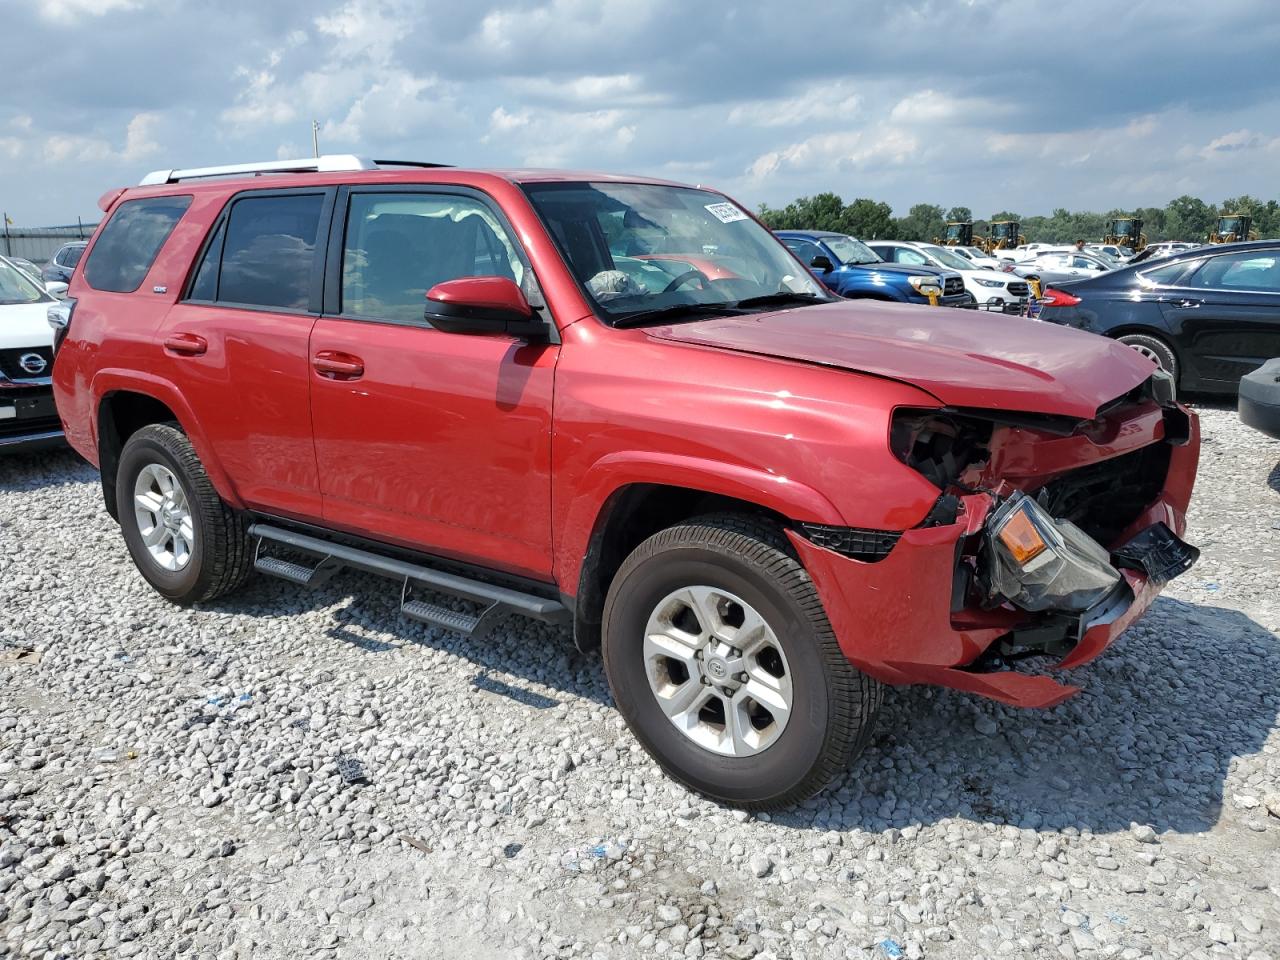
(164, 518)
(717, 670)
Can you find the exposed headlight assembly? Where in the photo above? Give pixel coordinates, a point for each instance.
(1039, 563)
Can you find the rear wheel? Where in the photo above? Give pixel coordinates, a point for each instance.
(1155, 349)
(722, 660)
(184, 540)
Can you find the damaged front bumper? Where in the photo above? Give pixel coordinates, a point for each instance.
(896, 620)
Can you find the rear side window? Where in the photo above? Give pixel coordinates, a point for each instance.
(263, 254)
(130, 241)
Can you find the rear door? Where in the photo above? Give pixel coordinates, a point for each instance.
(1226, 315)
(439, 441)
(237, 344)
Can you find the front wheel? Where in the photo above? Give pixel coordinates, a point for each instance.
(720, 657)
(184, 540)
(1155, 349)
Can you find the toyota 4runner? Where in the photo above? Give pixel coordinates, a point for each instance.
(620, 404)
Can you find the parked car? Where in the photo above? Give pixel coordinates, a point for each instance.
(1208, 316)
(1259, 400)
(985, 286)
(27, 267)
(1058, 266)
(762, 500)
(852, 269)
(63, 263)
(28, 419)
(1109, 251)
(977, 257)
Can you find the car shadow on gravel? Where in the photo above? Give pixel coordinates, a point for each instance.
(1151, 738)
(520, 659)
(20, 472)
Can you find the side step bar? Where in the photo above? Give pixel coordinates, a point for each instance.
(333, 557)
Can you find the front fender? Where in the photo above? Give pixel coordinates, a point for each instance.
(623, 468)
(111, 380)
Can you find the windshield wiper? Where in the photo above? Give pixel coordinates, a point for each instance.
(771, 299)
(640, 317)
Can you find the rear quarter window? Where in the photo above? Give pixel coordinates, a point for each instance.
(130, 241)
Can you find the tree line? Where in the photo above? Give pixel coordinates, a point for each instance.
(1186, 218)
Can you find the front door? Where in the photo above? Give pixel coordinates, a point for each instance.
(438, 441)
(1227, 312)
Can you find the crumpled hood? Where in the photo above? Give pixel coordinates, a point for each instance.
(25, 325)
(965, 358)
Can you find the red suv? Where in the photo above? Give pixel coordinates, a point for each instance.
(620, 404)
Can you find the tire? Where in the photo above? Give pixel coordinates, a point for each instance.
(1155, 349)
(200, 557)
(744, 566)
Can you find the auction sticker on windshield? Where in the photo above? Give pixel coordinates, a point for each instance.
(725, 212)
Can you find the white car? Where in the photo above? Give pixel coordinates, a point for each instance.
(977, 257)
(985, 286)
(28, 418)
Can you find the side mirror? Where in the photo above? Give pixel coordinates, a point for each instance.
(493, 305)
(823, 263)
(56, 288)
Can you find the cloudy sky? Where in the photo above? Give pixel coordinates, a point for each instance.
(993, 104)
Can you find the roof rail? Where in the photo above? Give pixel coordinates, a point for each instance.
(325, 164)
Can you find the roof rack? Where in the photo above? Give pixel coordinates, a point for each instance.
(411, 163)
(326, 164)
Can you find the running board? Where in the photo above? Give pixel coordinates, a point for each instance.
(332, 557)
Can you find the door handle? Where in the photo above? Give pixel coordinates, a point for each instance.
(186, 344)
(337, 365)
(1189, 304)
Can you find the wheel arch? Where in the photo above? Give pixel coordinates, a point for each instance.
(631, 500)
(126, 405)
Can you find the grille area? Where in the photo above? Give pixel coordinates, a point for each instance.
(10, 368)
(854, 542)
(1104, 498)
(1019, 289)
(953, 286)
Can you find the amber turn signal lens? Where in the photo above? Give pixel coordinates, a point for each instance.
(1022, 538)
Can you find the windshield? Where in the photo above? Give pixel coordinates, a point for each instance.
(947, 258)
(850, 250)
(641, 249)
(17, 287)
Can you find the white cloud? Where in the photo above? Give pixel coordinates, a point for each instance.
(1237, 141)
(829, 153)
(835, 101)
(933, 107)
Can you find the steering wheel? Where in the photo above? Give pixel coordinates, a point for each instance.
(684, 278)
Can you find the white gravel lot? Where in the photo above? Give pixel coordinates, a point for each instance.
(171, 781)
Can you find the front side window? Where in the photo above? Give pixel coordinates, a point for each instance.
(17, 287)
(945, 258)
(610, 235)
(804, 249)
(130, 241)
(400, 245)
(1239, 271)
(912, 257)
(268, 253)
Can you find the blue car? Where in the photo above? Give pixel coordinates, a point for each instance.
(850, 268)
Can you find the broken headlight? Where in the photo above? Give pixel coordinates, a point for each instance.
(1039, 563)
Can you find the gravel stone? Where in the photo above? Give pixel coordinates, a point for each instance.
(289, 773)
